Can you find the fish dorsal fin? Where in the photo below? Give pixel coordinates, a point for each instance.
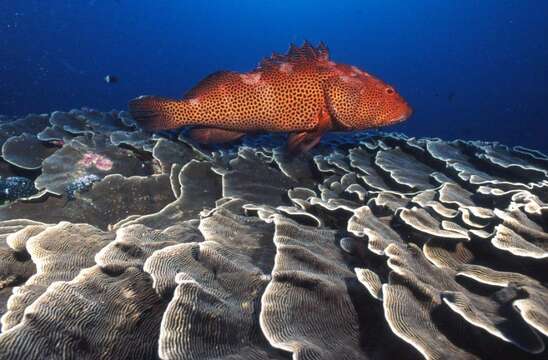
(307, 53)
(322, 52)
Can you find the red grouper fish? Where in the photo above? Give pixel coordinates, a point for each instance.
(302, 93)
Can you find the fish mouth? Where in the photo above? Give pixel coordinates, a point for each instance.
(403, 117)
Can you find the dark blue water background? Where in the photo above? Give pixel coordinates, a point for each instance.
(471, 69)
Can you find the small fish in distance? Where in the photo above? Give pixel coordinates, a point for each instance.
(303, 93)
(111, 79)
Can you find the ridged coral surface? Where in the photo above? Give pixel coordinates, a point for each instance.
(140, 246)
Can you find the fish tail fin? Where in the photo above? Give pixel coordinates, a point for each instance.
(155, 113)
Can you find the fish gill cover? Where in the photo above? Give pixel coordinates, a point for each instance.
(116, 242)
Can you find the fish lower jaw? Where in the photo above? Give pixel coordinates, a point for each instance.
(399, 119)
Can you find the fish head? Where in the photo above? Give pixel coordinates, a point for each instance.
(380, 104)
(359, 101)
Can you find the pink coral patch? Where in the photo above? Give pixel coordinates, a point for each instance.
(103, 164)
(99, 161)
(87, 159)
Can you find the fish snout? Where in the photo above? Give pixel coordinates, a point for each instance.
(405, 114)
(408, 113)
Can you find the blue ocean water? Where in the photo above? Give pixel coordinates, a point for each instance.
(470, 69)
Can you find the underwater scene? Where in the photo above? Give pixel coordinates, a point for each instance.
(239, 179)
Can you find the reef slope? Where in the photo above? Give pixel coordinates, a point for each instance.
(118, 244)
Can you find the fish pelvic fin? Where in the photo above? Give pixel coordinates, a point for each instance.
(214, 136)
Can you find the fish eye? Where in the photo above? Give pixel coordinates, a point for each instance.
(389, 90)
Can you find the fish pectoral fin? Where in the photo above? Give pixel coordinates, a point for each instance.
(295, 140)
(306, 140)
(302, 141)
(214, 135)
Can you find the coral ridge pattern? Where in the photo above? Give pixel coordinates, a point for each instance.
(120, 244)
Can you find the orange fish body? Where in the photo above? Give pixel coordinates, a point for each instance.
(302, 93)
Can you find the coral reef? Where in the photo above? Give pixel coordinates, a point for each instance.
(116, 243)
